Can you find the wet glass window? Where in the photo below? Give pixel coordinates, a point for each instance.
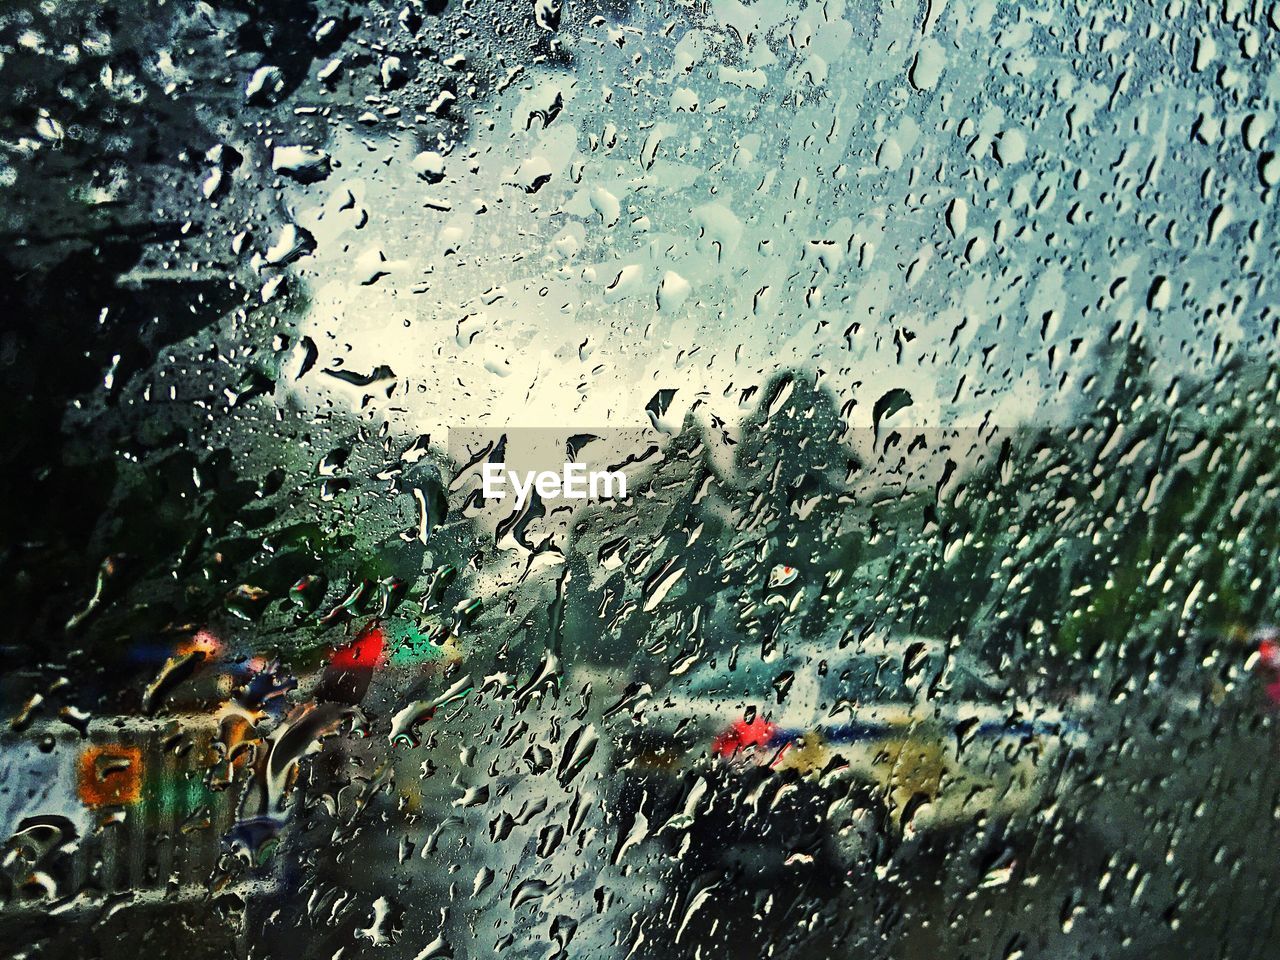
(639, 479)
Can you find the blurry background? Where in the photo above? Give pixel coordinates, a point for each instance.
(937, 622)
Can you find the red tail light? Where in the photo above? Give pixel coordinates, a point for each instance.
(743, 734)
(364, 651)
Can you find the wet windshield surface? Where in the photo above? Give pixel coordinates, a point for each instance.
(638, 479)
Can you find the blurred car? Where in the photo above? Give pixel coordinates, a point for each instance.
(825, 752)
(124, 804)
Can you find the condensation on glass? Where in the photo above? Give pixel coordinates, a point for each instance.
(934, 342)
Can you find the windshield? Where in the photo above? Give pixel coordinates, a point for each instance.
(636, 479)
